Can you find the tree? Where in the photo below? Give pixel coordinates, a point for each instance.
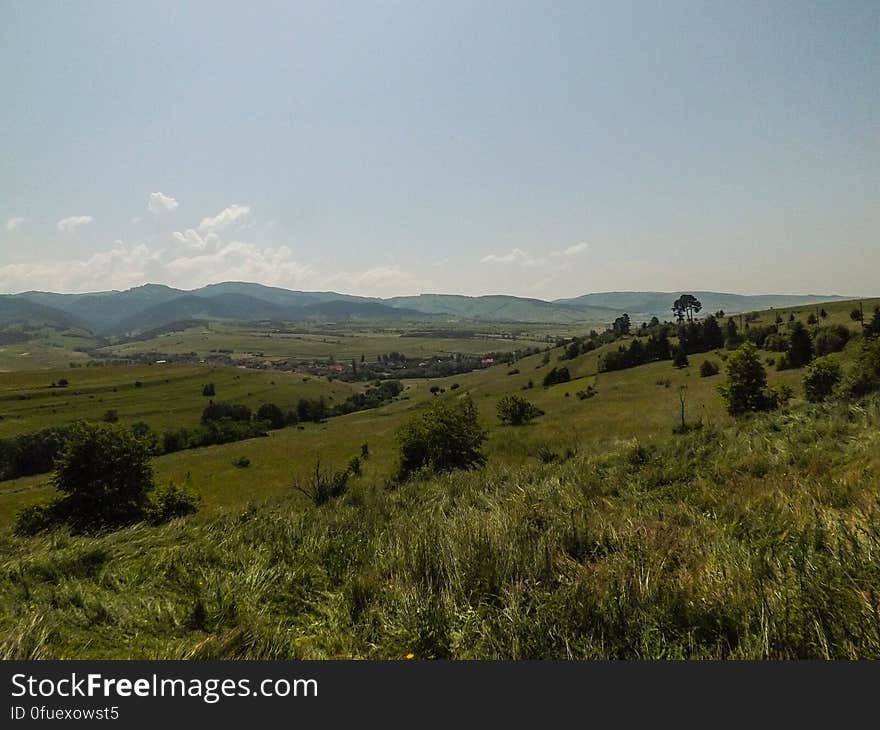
(874, 327)
(858, 315)
(864, 375)
(272, 414)
(822, 376)
(681, 359)
(225, 411)
(516, 410)
(446, 436)
(686, 306)
(822, 313)
(800, 347)
(105, 476)
(209, 390)
(708, 369)
(746, 386)
(622, 325)
(713, 337)
(556, 375)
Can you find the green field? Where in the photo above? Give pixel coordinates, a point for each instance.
(337, 342)
(163, 396)
(691, 539)
(639, 403)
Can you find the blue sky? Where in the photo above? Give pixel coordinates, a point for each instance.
(541, 149)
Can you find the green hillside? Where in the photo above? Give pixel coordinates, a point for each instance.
(593, 531)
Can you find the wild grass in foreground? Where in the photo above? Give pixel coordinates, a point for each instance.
(761, 540)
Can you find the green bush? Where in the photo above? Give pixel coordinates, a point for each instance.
(746, 386)
(832, 338)
(821, 378)
(271, 414)
(446, 436)
(324, 486)
(516, 410)
(170, 502)
(557, 375)
(225, 411)
(864, 374)
(708, 369)
(106, 482)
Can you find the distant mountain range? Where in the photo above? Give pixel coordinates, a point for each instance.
(118, 313)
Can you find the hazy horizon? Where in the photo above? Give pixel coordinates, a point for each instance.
(446, 293)
(389, 149)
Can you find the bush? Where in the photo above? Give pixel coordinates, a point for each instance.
(170, 502)
(821, 378)
(557, 375)
(242, 462)
(800, 347)
(680, 360)
(324, 486)
(31, 453)
(271, 414)
(864, 375)
(110, 416)
(446, 436)
(209, 390)
(516, 410)
(830, 339)
(225, 411)
(746, 386)
(708, 369)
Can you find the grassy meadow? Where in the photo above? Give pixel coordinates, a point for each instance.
(339, 342)
(593, 531)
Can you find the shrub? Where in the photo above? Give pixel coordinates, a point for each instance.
(800, 347)
(31, 453)
(516, 410)
(209, 390)
(588, 392)
(708, 369)
(110, 416)
(556, 375)
(446, 436)
(225, 411)
(830, 339)
(170, 502)
(324, 486)
(242, 462)
(354, 466)
(822, 376)
(864, 374)
(105, 479)
(746, 386)
(680, 360)
(272, 414)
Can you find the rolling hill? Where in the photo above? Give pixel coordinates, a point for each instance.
(155, 305)
(659, 303)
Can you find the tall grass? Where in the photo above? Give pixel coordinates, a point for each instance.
(761, 540)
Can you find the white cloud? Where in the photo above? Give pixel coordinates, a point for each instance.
(121, 266)
(383, 280)
(192, 240)
(225, 218)
(160, 203)
(578, 248)
(194, 257)
(14, 223)
(515, 256)
(73, 222)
